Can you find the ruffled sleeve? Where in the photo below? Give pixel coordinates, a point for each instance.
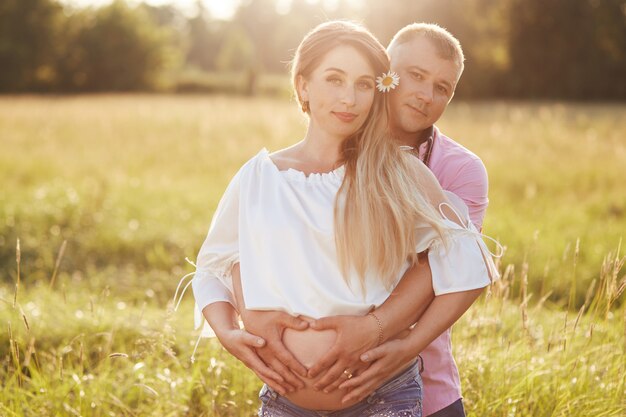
(463, 262)
(219, 252)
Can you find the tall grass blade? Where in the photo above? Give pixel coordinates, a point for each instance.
(58, 263)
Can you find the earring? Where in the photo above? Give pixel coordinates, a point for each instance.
(305, 106)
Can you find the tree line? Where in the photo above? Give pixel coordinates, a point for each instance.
(548, 49)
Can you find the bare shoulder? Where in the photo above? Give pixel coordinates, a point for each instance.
(285, 158)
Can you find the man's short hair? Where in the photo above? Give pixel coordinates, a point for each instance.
(448, 47)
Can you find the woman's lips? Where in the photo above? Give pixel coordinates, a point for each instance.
(345, 117)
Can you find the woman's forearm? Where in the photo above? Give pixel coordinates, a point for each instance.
(221, 316)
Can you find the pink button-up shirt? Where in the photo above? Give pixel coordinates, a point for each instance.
(463, 173)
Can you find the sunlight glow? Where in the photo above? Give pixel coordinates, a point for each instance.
(220, 9)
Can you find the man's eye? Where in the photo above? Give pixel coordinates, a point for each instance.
(416, 75)
(442, 89)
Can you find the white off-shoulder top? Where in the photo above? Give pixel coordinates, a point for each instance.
(279, 225)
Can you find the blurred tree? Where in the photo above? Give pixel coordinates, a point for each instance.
(29, 34)
(166, 16)
(610, 37)
(113, 48)
(205, 39)
(480, 26)
(236, 52)
(259, 19)
(294, 23)
(545, 37)
(173, 25)
(569, 49)
(276, 34)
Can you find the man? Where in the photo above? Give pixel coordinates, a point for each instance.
(429, 62)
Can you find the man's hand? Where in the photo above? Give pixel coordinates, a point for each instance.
(270, 325)
(388, 359)
(355, 335)
(384, 362)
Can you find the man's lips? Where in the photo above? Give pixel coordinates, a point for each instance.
(345, 117)
(417, 110)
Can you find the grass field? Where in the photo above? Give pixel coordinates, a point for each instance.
(129, 183)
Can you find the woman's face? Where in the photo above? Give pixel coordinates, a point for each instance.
(340, 92)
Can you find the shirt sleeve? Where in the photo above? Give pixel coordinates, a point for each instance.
(472, 185)
(463, 262)
(219, 252)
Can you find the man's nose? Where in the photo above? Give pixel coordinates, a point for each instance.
(425, 93)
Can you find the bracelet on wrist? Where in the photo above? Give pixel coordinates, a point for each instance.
(380, 327)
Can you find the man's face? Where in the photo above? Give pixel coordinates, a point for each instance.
(427, 84)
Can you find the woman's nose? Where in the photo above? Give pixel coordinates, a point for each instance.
(349, 96)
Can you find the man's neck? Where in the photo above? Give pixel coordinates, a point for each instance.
(415, 139)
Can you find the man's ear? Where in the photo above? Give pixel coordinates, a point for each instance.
(456, 84)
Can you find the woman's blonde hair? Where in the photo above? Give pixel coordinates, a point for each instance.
(381, 199)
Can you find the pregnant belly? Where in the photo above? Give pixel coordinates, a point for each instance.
(308, 346)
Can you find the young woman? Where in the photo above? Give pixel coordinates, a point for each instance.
(329, 225)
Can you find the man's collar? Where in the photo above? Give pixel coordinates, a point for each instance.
(424, 135)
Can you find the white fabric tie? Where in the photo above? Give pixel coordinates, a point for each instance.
(469, 228)
(180, 298)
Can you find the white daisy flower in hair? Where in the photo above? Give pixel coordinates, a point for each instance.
(387, 81)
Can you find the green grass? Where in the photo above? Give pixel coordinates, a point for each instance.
(130, 183)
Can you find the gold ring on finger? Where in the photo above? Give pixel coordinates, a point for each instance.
(347, 373)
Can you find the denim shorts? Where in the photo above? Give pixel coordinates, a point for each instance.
(398, 397)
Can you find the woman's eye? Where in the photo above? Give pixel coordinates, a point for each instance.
(335, 81)
(364, 85)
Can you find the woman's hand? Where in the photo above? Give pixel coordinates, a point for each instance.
(270, 325)
(242, 345)
(384, 362)
(355, 335)
(222, 317)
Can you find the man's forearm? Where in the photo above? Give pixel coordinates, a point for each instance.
(441, 314)
(408, 301)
